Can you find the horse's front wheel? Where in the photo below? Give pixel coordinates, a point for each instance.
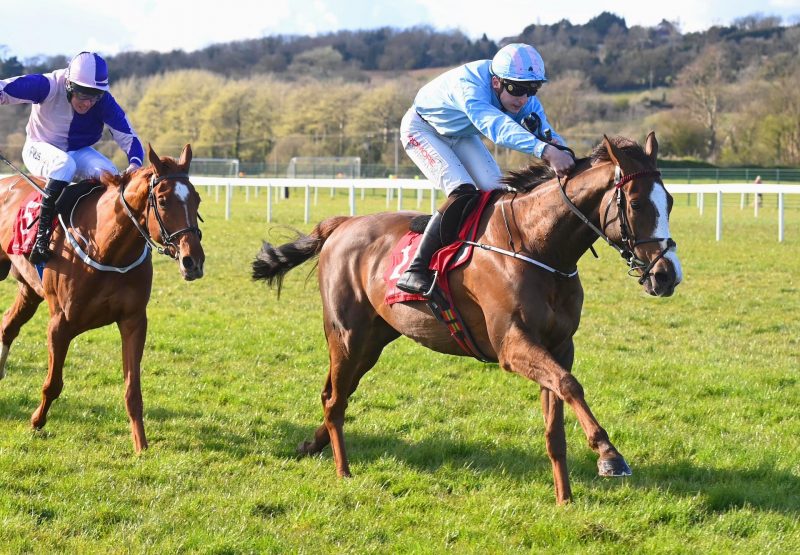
(615, 467)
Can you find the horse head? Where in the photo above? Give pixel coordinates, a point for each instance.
(174, 202)
(635, 215)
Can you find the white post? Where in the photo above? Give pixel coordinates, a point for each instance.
(216, 193)
(755, 205)
(399, 197)
(719, 215)
(419, 198)
(741, 202)
(352, 198)
(433, 198)
(780, 217)
(228, 188)
(307, 209)
(247, 193)
(700, 202)
(316, 195)
(269, 203)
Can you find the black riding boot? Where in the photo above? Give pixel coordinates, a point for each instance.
(47, 211)
(418, 278)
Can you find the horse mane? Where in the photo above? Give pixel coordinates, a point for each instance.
(631, 148)
(527, 179)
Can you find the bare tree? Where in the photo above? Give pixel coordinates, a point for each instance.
(701, 84)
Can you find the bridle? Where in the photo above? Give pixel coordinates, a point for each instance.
(168, 245)
(637, 267)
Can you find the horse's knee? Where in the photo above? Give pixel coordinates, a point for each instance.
(334, 410)
(570, 388)
(53, 389)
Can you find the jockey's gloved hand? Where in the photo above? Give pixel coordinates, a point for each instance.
(561, 161)
(131, 168)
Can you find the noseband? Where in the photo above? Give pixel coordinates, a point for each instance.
(629, 241)
(169, 247)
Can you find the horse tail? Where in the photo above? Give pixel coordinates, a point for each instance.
(273, 263)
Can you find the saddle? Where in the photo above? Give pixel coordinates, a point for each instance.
(26, 223)
(446, 259)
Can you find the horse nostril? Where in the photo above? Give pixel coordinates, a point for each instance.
(187, 262)
(662, 277)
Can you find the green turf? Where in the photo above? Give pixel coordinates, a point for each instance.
(700, 392)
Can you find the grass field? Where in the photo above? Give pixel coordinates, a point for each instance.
(700, 392)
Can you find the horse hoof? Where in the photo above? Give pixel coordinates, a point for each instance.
(37, 422)
(304, 449)
(615, 468)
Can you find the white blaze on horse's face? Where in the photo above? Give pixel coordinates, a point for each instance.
(658, 196)
(182, 192)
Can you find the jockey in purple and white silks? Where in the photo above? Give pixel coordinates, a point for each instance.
(442, 132)
(71, 108)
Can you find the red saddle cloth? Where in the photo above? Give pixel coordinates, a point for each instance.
(25, 225)
(442, 262)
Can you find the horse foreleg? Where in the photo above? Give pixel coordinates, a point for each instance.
(23, 309)
(58, 339)
(556, 441)
(133, 332)
(519, 354)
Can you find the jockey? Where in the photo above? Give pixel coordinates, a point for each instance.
(70, 108)
(442, 132)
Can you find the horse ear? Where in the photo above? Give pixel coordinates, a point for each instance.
(186, 158)
(155, 160)
(613, 152)
(617, 156)
(651, 147)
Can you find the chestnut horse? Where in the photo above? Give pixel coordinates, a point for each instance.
(119, 222)
(522, 305)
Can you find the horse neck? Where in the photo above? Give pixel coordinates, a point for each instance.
(117, 235)
(549, 227)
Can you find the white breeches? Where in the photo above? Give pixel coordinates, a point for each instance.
(53, 163)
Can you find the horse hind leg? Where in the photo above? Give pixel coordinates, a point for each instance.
(556, 441)
(58, 341)
(345, 373)
(22, 310)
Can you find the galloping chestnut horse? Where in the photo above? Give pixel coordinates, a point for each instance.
(119, 222)
(522, 313)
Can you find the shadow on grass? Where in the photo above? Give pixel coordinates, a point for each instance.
(17, 406)
(721, 490)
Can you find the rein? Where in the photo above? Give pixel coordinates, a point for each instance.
(83, 255)
(626, 251)
(513, 253)
(169, 247)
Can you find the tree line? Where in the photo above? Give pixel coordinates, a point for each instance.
(726, 96)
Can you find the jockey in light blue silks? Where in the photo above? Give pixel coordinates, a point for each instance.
(71, 107)
(442, 132)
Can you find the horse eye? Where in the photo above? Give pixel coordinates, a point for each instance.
(162, 202)
(636, 205)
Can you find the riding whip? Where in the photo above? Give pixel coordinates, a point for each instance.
(30, 181)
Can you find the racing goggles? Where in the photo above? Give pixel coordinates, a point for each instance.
(85, 93)
(518, 88)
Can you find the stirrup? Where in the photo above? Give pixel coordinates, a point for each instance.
(39, 256)
(425, 292)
